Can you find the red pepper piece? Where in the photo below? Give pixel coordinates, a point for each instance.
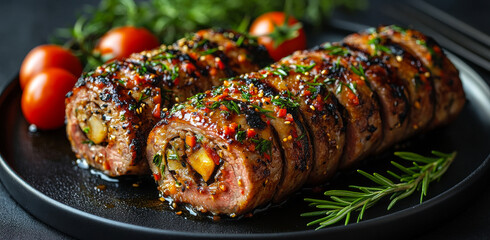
(281, 113)
(251, 133)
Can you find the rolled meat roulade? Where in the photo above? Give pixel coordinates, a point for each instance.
(111, 110)
(248, 142)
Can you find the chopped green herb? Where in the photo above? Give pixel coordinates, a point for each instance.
(304, 68)
(176, 108)
(326, 97)
(131, 107)
(175, 72)
(157, 159)
(376, 42)
(239, 42)
(336, 66)
(302, 136)
(200, 43)
(335, 50)
(196, 100)
(263, 145)
(358, 71)
(232, 106)
(199, 138)
(89, 142)
(264, 111)
(240, 135)
(174, 155)
(352, 86)
(209, 51)
(398, 29)
(246, 95)
(86, 129)
(141, 70)
(163, 55)
(285, 103)
(329, 81)
(217, 91)
(282, 71)
(145, 94)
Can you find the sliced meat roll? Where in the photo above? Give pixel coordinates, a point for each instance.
(217, 153)
(293, 77)
(345, 100)
(282, 114)
(408, 68)
(448, 90)
(361, 110)
(111, 110)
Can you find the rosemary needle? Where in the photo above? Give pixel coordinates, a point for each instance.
(342, 204)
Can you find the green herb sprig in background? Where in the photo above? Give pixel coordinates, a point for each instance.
(170, 20)
(343, 204)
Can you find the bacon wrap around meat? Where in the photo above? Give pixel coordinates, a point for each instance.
(260, 136)
(111, 110)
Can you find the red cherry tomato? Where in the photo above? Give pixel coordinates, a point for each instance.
(272, 23)
(121, 42)
(48, 56)
(43, 99)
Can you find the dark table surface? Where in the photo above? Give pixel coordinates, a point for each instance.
(27, 23)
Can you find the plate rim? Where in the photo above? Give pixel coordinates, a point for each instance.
(20, 191)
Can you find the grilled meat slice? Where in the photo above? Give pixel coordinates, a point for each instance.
(234, 165)
(111, 110)
(448, 90)
(409, 69)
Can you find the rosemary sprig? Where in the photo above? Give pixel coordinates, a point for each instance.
(344, 203)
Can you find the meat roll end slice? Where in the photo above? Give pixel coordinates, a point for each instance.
(217, 154)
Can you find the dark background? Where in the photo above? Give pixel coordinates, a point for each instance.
(28, 23)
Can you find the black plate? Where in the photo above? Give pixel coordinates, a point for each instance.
(41, 173)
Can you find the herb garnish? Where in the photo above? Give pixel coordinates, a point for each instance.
(376, 43)
(196, 100)
(246, 95)
(358, 71)
(398, 29)
(176, 108)
(175, 72)
(285, 103)
(282, 71)
(89, 142)
(163, 55)
(209, 51)
(157, 159)
(314, 87)
(263, 111)
(174, 155)
(335, 50)
(352, 86)
(262, 145)
(240, 135)
(344, 203)
(231, 105)
(304, 68)
(239, 42)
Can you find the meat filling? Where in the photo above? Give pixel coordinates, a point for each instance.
(92, 122)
